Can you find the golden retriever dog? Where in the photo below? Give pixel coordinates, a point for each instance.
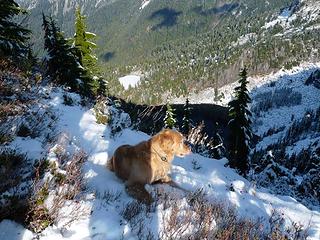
(148, 162)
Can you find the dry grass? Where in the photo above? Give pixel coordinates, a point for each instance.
(69, 187)
(194, 218)
(201, 142)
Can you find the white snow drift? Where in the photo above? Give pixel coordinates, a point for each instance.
(129, 81)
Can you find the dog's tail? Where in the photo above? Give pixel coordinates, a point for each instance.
(110, 164)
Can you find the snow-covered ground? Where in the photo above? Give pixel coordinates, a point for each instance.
(129, 81)
(104, 219)
(293, 79)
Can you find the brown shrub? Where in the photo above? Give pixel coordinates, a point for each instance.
(67, 188)
(195, 218)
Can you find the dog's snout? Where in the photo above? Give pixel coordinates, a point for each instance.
(187, 146)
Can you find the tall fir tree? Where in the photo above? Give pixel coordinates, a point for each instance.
(13, 37)
(49, 43)
(186, 120)
(84, 45)
(62, 63)
(240, 126)
(169, 119)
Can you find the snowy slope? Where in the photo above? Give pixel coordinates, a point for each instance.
(285, 158)
(106, 198)
(305, 10)
(299, 74)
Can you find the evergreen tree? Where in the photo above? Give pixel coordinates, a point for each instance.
(169, 120)
(186, 122)
(83, 42)
(84, 45)
(239, 124)
(49, 43)
(102, 89)
(13, 36)
(61, 61)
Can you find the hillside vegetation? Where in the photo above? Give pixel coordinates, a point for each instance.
(187, 46)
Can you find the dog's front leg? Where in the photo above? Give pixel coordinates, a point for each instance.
(137, 191)
(168, 180)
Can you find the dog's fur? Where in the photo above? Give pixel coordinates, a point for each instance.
(148, 161)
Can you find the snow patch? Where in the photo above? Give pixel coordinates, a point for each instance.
(308, 12)
(129, 80)
(144, 4)
(10, 230)
(244, 39)
(32, 147)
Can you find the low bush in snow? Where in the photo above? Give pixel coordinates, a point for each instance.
(15, 173)
(52, 194)
(201, 143)
(100, 110)
(109, 112)
(194, 217)
(21, 113)
(36, 194)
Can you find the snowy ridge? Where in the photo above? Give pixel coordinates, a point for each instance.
(275, 118)
(307, 10)
(104, 219)
(288, 79)
(255, 82)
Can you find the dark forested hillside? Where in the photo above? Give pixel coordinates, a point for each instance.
(127, 31)
(189, 45)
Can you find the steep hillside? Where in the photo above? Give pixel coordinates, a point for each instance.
(130, 29)
(264, 43)
(286, 118)
(198, 44)
(74, 196)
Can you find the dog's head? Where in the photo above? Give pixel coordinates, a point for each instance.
(173, 142)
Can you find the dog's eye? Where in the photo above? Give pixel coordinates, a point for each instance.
(187, 143)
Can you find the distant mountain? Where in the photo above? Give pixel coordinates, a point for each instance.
(189, 45)
(131, 28)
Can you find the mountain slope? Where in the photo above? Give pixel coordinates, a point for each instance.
(121, 23)
(106, 211)
(198, 44)
(264, 41)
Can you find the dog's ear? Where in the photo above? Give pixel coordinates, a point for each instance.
(166, 141)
